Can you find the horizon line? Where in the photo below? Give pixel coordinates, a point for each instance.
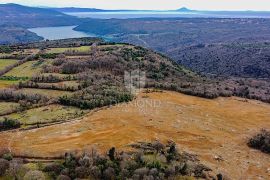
(183, 7)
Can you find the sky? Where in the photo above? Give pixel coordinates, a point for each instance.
(259, 5)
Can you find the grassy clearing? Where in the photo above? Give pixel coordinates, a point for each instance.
(4, 54)
(31, 51)
(58, 75)
(46, 92)
(47, 114)
(27, 69)
(63, 83)
(6, 62)
(62, 50)
(6, 83)
(7, 107)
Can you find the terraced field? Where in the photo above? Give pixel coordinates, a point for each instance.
(46, 114)
(62, 50)
(27, 69)
(6, 83)
(46, 92)
(6, 107)
(6, 62)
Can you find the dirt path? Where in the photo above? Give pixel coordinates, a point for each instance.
(208, 128)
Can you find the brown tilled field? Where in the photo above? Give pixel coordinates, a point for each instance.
(216, 130)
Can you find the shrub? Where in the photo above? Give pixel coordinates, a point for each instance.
(81, 172)
(4, 165)
(95, 172)
(109, 173)
(141, 172)
(34, 175)
(8, 156)
(112, 153)
(53, 167)
(63, 177)
(9, 124)
(16, 168)
(131, 165)
(261, 141)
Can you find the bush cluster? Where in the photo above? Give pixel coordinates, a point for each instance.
(148, 161)
(261, 141)
(8, 124)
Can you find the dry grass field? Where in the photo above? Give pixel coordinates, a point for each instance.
(45, 92)
(62, 50)
(6, 83)
(216, 130)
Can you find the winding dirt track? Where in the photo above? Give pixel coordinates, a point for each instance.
(207, 128)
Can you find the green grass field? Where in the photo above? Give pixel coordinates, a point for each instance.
(46, 92)
(27, 69)
(62, 50)
(6, 62)
(47, 114)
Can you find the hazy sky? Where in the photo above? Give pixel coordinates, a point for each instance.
(152, 4)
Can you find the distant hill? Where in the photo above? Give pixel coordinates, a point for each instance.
(30, 17)
(195, 42)
(73, 9)
(16, 19)
(229, 59)
(184, 9)
(13, 34)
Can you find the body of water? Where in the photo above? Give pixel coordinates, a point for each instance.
(167, 14)
(62, 32)
(130, 14)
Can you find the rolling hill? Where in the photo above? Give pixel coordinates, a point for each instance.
(30, 17)
(16, 19)
(218, 46)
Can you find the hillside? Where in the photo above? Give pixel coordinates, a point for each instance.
(16, 19)
(250, 60)
(74, 94)
(84, 74)
(195, 42)
(89, 67)
(29, 17)
(14, 34)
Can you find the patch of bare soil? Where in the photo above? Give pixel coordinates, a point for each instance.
(216, 130)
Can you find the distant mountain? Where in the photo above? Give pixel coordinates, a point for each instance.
(73, 9)
(11, 9)
(28, 17)
(184, 9)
